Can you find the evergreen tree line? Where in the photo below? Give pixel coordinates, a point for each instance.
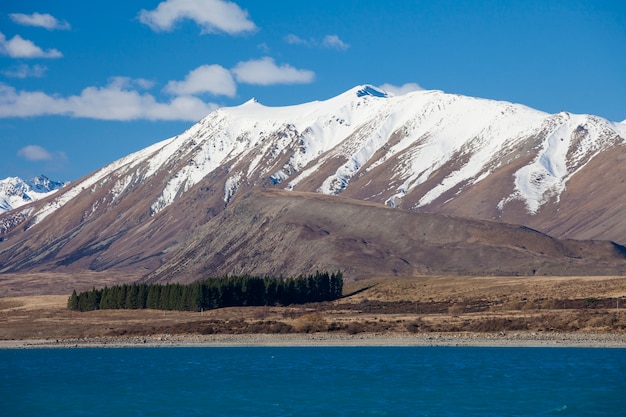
(212, 293)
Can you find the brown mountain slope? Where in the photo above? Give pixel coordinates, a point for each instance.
(277, 232)
(591, 207)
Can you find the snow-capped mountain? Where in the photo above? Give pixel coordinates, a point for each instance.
(423, 151)
(15, 192)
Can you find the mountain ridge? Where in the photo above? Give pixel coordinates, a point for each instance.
(16, 192)
(529, 184)
(425, 151)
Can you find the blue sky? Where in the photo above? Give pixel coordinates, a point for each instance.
(83, 84)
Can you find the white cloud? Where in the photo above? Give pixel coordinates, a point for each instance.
(25, 71)
(296, 40)
(180, 108)
(127, 83)
(211, 15)
(125, 98)
(113, 102)
(401, 90)
(333, 41)
(264, 71)
(34, 153)
(44, 20)
(213, 79)
(18, 47)
(54, 161)
(329, 41)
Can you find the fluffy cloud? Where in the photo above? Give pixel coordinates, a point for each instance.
(263, 47)
(125, 98)
(54, 161)
(211, 15)
(296, 40)
(39, 20)
(401, 90)
(113, 102)
(264, 71)
(25, 71)
(18, 47)
(333, 41)
(34, 153)
(212, 79)
(127, 83)
(329, 41)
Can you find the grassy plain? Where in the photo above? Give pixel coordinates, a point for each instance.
(393, 306)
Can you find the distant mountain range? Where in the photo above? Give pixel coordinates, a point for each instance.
(16, 192)
(423, 152)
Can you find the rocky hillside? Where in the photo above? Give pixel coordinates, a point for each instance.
(278, 232)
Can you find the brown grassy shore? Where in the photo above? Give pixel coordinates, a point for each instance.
(422, 311)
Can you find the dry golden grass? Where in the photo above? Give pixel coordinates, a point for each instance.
(452, 288)
(390, 305)
(38, 283)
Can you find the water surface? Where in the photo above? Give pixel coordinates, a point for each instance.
(313, 381)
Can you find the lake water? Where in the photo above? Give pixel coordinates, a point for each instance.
(313, 381)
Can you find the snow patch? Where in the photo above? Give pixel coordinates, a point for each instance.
(570, 143)
(231, 186)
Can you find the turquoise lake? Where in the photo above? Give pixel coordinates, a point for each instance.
(313, 381)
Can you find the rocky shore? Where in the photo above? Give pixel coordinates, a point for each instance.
(514, 339)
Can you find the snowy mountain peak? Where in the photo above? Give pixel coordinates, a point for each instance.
(431, 130)
(15, 192)
(251, 102)
(43, 184)
(369, 90)
(424, 150)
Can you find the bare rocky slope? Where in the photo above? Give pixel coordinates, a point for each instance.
(276, 232)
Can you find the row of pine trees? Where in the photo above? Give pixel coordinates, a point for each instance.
(213, 293)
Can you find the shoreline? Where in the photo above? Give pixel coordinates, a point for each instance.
(513, 339)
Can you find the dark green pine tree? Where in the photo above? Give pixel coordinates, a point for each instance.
(323, 286)
(104, 299)
(256, 291)
(271, 291)
(152, 300)
(132, 297)
(142, 295)
(289, 293)
(72, 302)
(301, 290)
(164, 296)
(92, 301)
(336, 285)
(120, 296)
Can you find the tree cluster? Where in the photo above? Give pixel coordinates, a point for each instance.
(213, 293)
